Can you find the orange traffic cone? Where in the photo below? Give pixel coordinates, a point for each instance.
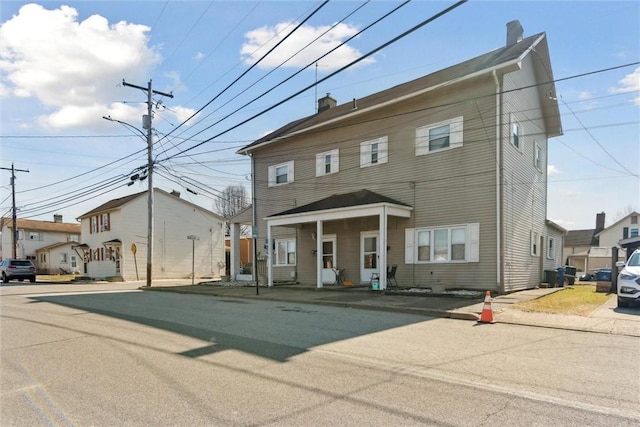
(487, 313)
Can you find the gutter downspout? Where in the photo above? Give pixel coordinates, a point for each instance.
(499, 180)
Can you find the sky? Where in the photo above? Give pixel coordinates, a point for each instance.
(63, 64)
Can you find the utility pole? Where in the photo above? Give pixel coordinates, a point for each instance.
(14, 215)
(147, 124)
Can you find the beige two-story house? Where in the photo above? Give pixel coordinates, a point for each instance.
(187, 238)
(443, 176)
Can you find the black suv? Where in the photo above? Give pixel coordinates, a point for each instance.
(20, 269)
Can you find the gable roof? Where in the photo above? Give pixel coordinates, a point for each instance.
(634, 213)
(506, 58)
(55, 245)
(36, 225)
(114, 204)
(581, 238)
(346, 200)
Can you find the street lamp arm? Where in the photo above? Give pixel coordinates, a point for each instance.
(125, 124)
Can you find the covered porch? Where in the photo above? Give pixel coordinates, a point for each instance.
(343, 236)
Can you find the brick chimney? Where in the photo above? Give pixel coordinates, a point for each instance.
(326, 103)
(599, 222)
(57, 218)
(514, 32)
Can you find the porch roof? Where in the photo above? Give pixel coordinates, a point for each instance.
(339, 206)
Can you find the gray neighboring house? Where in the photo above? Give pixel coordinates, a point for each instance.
(443, 176)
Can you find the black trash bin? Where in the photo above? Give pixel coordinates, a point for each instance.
(570, 274)
(550, 278)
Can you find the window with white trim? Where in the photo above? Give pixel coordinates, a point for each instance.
(374, 152)
(285, 252)
(327, 163)
(457, 243)
(537, 157)
(439, 136)
(34, 235)
(551, 248)
(281, 174)
(516, 134)
(535, 239)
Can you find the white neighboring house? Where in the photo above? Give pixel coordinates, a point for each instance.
(625, 228)
(34, 235)
(114, 237)
(59, 258)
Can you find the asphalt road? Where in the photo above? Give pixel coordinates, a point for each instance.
(126, 357)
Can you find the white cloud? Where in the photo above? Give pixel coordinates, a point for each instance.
(629, 84)
(71, 67)
(552, 170)
(198, 56)
(259, 41)
(584, 95)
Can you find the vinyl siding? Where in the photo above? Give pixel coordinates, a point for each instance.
(524, 192)
(454, 186)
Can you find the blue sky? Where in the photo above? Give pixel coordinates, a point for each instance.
(62, 65)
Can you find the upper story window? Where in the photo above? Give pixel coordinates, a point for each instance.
(327, 163)
(34, 235)
(439, 136)
(281, 174)
(516, 134)
(634, 219)
(537, 157)
(105, 222)
(94, 224)
(374, 152)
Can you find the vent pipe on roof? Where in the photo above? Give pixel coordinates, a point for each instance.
(175, 193)
(515, 32)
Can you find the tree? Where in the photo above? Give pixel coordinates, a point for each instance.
(231, 201)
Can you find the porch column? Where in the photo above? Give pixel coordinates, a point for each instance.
(382, 266)
(269, 252)
(319, 264)
(234, 242)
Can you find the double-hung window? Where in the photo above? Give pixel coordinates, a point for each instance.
(551, 248)
(516, 133)
(439, 136)
(537, 157)
(374, 152)
(457, 243)
(285, 252)
(281, 174)
(327, 163)
(535, 240)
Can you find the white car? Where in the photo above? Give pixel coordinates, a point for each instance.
(629, 280)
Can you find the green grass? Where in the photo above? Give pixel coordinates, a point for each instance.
(579, 300)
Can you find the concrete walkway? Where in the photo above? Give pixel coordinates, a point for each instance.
(606, 319)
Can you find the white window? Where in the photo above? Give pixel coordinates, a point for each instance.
(516, 134)
(285, 252)
(535, 238)
(537, 157)
(551, 248)
(104, 222)
(439, 136)
(74, 238)
(20, 234)
(34, 235)
(281, 174)
(633, 231)
(373, 152)
(457, 243)
(327, 163)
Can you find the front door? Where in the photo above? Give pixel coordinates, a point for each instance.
(369, 247)
(329, 260)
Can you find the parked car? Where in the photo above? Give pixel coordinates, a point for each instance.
(587, 277)
(20, 269)
(629, 280)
